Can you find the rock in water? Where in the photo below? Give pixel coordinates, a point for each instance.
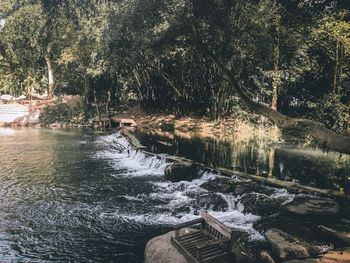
(260, 204)
(308, 206)
(214, 202)
(266, 257)
(183, 171)
(221, 184)
(160, 250)
(287, 247)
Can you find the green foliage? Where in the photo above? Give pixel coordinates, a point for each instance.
(61, 112)
(148, 51)
(332, 112)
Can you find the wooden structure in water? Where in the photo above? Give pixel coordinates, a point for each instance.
(211, 243)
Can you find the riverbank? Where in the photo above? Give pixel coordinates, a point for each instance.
(235, 127)
(69, 112)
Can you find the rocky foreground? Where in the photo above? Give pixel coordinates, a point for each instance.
(309, 228)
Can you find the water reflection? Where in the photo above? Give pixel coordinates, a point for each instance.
(7, 132)
(258, 156)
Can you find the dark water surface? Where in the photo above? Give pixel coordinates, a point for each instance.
(59, 202)
(69, 196)
(285, 161)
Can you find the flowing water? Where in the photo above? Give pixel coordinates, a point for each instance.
(286, 161)
(69, 196)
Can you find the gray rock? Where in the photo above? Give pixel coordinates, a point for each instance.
(221, 185)
(260, 204)
(308, 206)
(247, 187)
(266, 257)
(183, 171)
(160, 250)
(287, 247)
(214, 202)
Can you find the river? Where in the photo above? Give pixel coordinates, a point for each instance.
(68, 196)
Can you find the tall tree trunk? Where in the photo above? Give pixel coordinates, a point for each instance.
(50, 75)
(335, 77)
(338, 66)
(326, 137)
(271, 155)
(276, 78)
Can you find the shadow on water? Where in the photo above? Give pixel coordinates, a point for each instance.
(284, 161)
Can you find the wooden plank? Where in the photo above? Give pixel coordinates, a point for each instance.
(193, 234)
(199, 240)
(206, 245)
(219, 226)
(208, 253)
(212, 242)
(187, 255)
(219, 258)
(189, 223)
(206, 249)
(213, 253)
(191, 238)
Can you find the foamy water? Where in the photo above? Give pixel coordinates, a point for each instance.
(177, 200)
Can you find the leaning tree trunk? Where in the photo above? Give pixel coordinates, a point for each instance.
(50, 75)
(326, 137)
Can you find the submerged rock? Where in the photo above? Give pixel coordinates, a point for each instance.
(287, 247)
(310, 206)
(227, 185)
(183, 171)
(214, 202)
(293, 226)
(221, 185)
(260, 204)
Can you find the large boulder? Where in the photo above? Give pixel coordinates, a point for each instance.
(215, 202)
(183, 171)
(220, 184)
(311, 206)
(260, 204)
(287, 247)
(160, 250)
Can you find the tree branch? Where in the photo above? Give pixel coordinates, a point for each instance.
(326, 137)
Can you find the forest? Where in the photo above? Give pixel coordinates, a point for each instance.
(285, 59)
